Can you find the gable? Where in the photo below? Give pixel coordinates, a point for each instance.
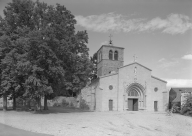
(136, 64)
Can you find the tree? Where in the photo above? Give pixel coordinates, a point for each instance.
(187, 106)
(94, 70)
(40, 51)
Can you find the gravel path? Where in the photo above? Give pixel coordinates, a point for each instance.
(66, 122)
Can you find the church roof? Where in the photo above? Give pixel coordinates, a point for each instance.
(159, 79)
(94, 81)
(182, 89)
(138, 64)
(175, 93)
(108, 75)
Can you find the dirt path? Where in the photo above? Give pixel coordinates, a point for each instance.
(69, 123)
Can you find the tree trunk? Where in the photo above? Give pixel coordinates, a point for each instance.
(14, 103)
(29, 104)
(4, 102)
(45, 103)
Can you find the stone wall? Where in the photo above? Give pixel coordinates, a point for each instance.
(109, 89)
(158, 94)
(88, 94)
(105, 65)
(126, 77)
(9, 102)
(58, 101)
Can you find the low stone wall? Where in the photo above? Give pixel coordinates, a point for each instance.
(9, 103)
(63, 101)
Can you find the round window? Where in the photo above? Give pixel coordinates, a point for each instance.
(110, 87)
(155, 89)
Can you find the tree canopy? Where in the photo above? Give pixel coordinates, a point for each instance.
(40, 51)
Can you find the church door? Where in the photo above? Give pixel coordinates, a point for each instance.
(110, 105)
(133, 104)
(130, 104)
(155, 105)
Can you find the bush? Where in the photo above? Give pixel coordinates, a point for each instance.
(187, 106)
(56, 104)
(184, 110)
(84, 105)
(71, 105)
(176, 108)
(64, 103)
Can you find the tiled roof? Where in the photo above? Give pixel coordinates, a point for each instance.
(178, 92)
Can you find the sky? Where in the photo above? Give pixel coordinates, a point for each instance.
(159, 32)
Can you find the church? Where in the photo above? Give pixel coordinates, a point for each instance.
(121, 87)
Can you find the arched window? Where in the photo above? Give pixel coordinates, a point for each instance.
(133, 93)
(116, 55)
(110, 54)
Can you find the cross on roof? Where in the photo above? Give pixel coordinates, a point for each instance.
(110, 36)
(135, 57)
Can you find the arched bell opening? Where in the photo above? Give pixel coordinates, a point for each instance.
(135, 97)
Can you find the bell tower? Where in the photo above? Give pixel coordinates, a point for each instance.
(109, 59)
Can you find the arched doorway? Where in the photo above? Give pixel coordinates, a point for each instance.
(135, 97)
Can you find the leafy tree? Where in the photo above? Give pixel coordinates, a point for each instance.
(41, 54)
(187, 106)
(94, 70)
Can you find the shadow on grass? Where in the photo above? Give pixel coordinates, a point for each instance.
(52, 110)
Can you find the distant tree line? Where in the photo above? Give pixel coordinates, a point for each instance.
(41, 54)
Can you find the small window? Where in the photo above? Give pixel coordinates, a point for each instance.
(116, 55)
(155, 89)
(110, 87)
(111, 55)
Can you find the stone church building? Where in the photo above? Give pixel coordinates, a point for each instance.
(117, 88)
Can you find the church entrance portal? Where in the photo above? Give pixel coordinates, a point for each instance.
(135, 97)
(133, 104)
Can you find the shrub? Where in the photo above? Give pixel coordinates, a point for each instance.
(84, 105)
(71, 105)
(64, 103)
(56, 104)
(176, 108)
(187, 106)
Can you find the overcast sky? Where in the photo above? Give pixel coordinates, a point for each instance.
(159, 32)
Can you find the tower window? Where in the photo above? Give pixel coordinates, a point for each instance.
(110, 54)
(116, 55)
